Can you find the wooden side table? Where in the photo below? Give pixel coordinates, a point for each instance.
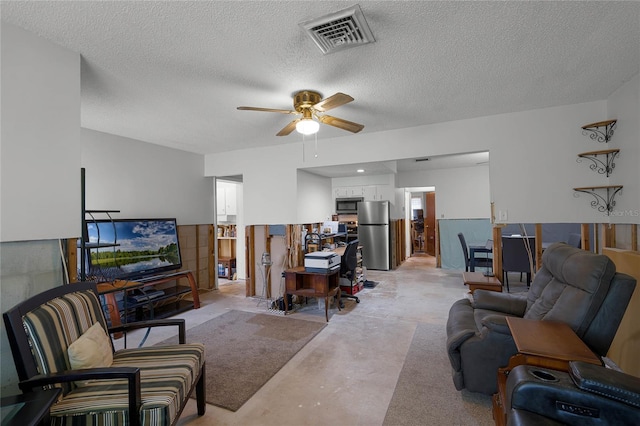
(300, 282)
(545, 344)
(477, 280)
(31, 408)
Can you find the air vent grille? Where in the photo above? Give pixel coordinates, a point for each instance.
(340, 30)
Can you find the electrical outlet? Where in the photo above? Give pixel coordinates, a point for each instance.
(502, 215)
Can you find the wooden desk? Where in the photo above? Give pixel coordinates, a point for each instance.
(545, 344)
(312, 284)
(477, 280)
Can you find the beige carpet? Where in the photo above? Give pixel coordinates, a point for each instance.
(425, 390)
(244, 350)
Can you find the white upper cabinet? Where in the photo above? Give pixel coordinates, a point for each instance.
(368, 192)
(378, 193)
(221, 204)
(349, 191)
(230, 201)
(226, 200)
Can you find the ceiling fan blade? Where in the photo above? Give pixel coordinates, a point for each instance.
(288, 128)
(332, 102)
(282, 111)
(349, 126)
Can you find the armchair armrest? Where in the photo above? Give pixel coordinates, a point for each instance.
(106, 373)
(131, 374)
(507, 303)
(180, 323)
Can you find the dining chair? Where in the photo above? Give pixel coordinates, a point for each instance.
(515, 257)
(483, 262)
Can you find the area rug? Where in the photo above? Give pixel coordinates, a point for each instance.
(244, 350)
(425, 393)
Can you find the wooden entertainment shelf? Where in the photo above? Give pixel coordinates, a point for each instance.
(162, 306)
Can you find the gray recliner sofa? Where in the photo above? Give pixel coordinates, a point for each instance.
(579, 288)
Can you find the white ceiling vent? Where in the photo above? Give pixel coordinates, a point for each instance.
(340, 30)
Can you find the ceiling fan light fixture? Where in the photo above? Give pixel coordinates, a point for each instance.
(307, 126)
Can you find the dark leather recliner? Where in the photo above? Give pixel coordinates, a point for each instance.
(573, 286)
(587, 395)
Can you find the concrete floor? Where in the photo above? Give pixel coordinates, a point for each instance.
(347, 374)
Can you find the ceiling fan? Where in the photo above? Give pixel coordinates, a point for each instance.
(310, 105)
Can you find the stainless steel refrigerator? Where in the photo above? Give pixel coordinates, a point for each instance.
(374, 234)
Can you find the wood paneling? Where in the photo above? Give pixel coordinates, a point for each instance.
(625, 348)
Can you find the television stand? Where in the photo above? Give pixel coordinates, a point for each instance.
(166, 305)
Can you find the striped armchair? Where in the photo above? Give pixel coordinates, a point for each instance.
(142, 386)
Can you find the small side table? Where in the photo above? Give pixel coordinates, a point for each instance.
(300, 282)
(28, 409)
(545, 344)
(477, 280)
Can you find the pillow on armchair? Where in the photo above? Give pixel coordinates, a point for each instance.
(91, 350)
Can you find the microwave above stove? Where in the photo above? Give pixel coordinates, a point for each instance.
(348, 205)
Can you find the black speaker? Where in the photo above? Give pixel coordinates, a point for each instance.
(279, 303)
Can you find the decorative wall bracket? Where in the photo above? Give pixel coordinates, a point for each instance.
(601, 203)
(593, 130)
(602, 166)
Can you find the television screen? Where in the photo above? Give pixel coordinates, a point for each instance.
(131, 248)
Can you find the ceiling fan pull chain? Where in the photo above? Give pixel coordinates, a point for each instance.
(316, 154)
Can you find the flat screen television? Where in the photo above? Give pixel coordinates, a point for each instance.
(131, 248)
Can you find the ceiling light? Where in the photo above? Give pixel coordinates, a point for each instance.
(307, 126)
(360, 170)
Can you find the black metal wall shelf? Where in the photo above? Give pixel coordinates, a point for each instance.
(85, 245)
(593, 130)
(601, 202)
(598, 165)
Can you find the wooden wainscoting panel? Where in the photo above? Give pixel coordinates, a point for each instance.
(625, 348)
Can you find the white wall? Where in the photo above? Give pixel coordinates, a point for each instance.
(270, 183)
(314, 198)
(39, 170)
(532, 170)
(460, 192)
(624, 105)
(145, 180)
(40, 138)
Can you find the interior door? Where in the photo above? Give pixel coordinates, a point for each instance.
(430, 223)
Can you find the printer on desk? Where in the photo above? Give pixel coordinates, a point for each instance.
(321, 261)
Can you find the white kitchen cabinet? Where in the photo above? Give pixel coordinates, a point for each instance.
(349, 191)
(226, 200)
(221, 203)
(370, 193)
(230, 201)
(385, 193)
(377, 193)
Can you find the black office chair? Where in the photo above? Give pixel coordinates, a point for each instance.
(483, 262)
(348, 265)
(515, 257)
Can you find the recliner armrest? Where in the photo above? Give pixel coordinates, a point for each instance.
(507, 303)
(606, 382)
(497, 323)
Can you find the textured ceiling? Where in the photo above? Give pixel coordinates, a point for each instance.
(172, 73)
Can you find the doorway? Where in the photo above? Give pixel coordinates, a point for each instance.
(230, 233)
(423, 222)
